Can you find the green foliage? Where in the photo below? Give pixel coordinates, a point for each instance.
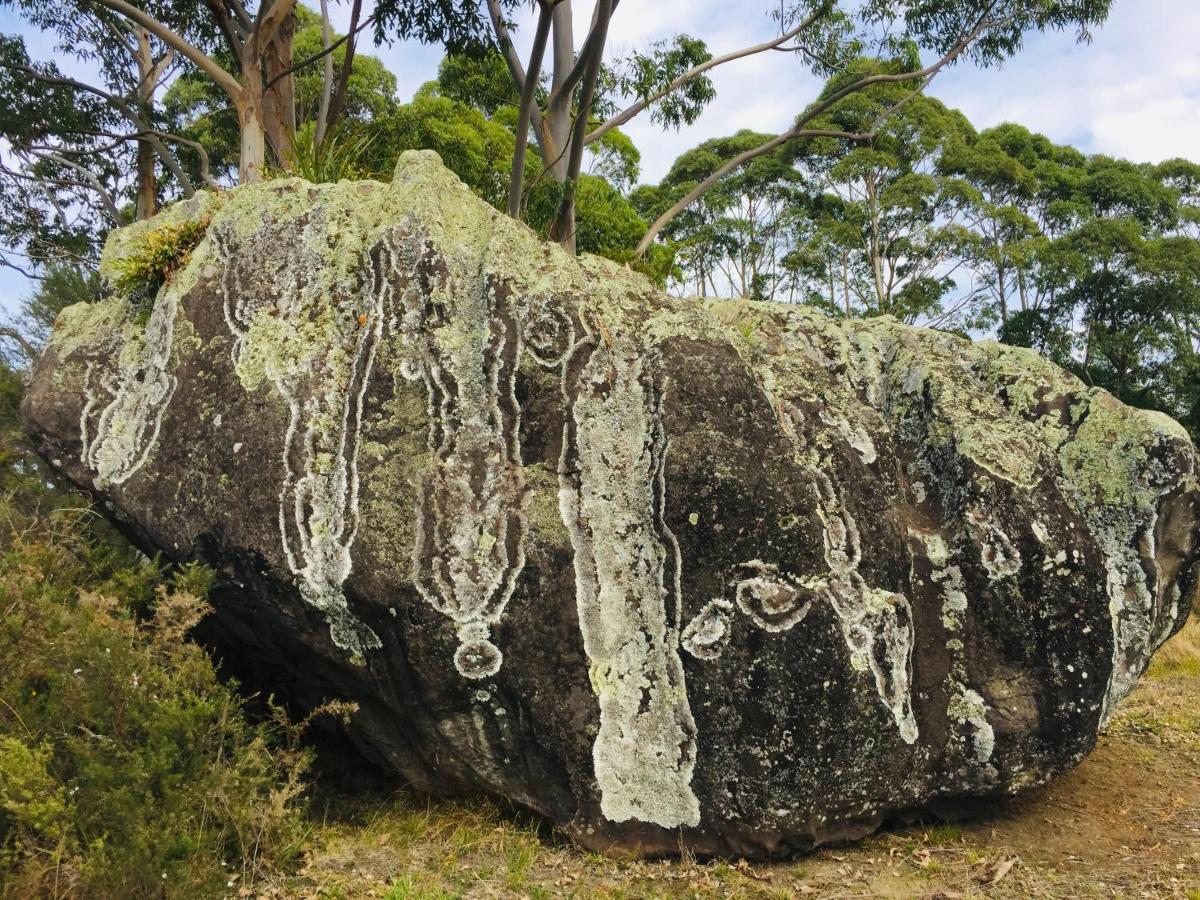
(342, 155)
(1092, 261)
(645, 75)
(477, 149)
(480, 81)
(461, 26)
(127, 768)
(888, 223)
(158, 254)
(738, 232)
(615, 158)
(938, 25)
(370, 92)
(48, 209)
(198, 110)
(606, 223)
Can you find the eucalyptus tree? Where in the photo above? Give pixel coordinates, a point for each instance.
(52, 203)
(256, 78)
(670, 81)
(736, 237)
(897, 224)
(1002, 165)
(194, 106)
(80, 157)
(245, 49)
(828, 35)
(81, 154)
(1183, 177)
(1105, 275)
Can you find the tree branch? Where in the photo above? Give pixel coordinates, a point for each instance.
(234, 32)
(579, 127)
(338, 105)
(589, 47)
(271, 16)
(327, 77)
(27, 348)
(127, 110)
(506, 45)
(509, 53)
(110, 206)
(223, 79)
(798, 131)
(736, 163)
(295, 67)
(528, 100)
(625, 115)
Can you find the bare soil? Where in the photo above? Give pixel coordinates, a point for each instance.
(1125, 823)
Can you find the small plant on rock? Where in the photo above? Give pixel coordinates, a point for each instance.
(160, 253)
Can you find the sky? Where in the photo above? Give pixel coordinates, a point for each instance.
(1133, 92)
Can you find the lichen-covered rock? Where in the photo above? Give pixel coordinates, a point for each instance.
(732, 576)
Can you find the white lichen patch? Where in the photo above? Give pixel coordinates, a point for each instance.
(971, 735)
(318, 358)
(127, 394)
(999, 556)
(626, 571)
(772, 602)
(708, 632)
(876, 624)
(464, 345)
(967, 708)
(954, 601)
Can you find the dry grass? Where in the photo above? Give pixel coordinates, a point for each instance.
(1126, 823)
(1182, 652)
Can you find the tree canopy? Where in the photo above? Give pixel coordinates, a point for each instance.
(877, 200)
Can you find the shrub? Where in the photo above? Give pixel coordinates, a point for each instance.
(127, 768)
(342, 155)
(159, 253)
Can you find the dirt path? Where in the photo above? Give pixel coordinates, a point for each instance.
(1125, 823)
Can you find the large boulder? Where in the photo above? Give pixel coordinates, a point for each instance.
(737, 577)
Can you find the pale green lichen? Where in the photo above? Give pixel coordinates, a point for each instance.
(82, 325)
(545, 521)
(1116, 484)
(968, 708)
(626, 570)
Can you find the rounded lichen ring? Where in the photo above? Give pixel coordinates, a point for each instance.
(476, 656)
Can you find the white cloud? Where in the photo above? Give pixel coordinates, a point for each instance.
(1133, 92)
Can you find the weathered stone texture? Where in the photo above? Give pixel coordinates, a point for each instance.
(732, 574)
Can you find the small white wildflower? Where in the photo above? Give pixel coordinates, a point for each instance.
(76, 671)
